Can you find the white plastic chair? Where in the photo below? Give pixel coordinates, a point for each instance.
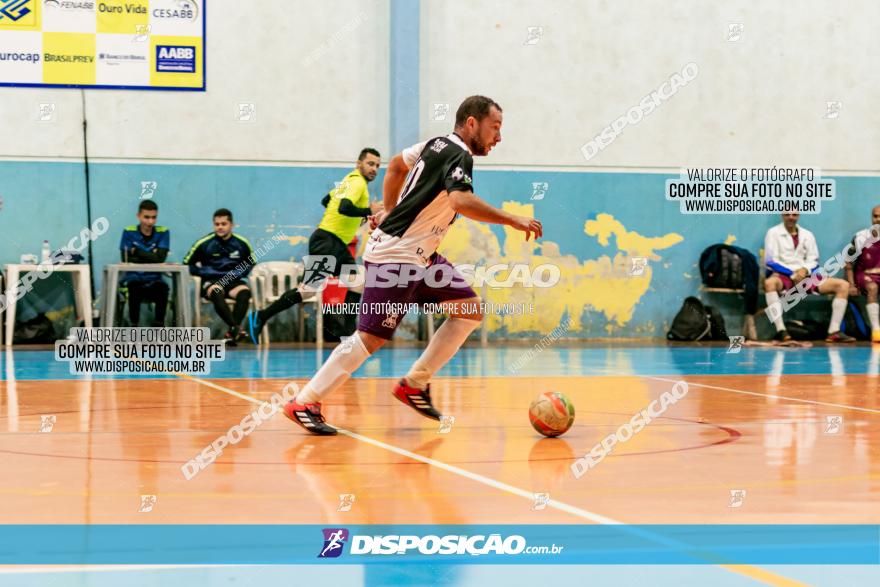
(317, 298)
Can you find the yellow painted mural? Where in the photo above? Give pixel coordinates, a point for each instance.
(604, 284)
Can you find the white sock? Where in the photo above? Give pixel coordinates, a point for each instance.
(773, 298)
(838, 309)
(445, 343)
(874, 315)
(345, 360)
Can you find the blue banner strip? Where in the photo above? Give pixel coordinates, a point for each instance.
(479, 544)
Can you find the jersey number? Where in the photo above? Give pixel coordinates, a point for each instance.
(412, 178)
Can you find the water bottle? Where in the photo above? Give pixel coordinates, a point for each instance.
(47, 252)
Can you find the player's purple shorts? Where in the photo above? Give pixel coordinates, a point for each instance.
(787, 283)
(863, 279)
(378, 302)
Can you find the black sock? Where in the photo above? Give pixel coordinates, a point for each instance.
(242, 301)
(287, 300)
(134, 307)
(160, 298)
(218, 298)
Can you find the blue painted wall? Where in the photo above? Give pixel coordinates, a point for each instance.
(47, 200)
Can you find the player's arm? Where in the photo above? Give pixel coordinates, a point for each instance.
(157, 255)
(395, 175)
(849, 267)
(468, 204)
(770, 256)
(249, 256)
(194, 256)
(354, 190)
(347, 208)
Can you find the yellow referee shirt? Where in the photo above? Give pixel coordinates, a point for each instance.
(354, 188)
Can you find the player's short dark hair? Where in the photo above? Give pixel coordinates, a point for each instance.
(476, 106)
(223, 212)
(148, 205)
(368, 151)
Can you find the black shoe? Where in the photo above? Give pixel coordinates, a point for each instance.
(231, 336)
(254, 326)
(782, 336)
(309, 417)
(417, 399)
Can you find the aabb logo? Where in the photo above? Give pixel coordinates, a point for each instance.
(334, 541)
(169, 52)
(176, 58)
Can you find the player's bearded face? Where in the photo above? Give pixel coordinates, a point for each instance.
(369, 166)
(488, 133)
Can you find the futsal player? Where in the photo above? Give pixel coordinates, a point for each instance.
(145, 243)
(223, 260)
(426, 187)
(791, 255)
(347, 207)
(863, 274)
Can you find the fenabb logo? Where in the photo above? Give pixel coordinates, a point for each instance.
(69, 5)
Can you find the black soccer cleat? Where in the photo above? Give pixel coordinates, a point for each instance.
(839, 337)
(417, 399)
(309, 417)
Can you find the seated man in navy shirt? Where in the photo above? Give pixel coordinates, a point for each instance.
(223, 260)
(145, 243)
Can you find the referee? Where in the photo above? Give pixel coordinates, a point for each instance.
(348, 204)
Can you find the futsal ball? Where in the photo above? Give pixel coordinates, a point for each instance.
(551, 413)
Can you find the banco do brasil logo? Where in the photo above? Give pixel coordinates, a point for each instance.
(14, 10)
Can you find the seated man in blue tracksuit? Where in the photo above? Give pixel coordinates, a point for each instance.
(145, 243)
(223, 260)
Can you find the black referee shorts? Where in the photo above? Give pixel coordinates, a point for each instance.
(326, 243)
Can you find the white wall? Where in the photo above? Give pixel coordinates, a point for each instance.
(317, 72)
(760, 100)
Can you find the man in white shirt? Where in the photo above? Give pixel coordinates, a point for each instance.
(791, 255)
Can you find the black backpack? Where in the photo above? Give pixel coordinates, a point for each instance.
(721, 266)
(697, 322)
(806, 329)
(37, 330)
(854, 323)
